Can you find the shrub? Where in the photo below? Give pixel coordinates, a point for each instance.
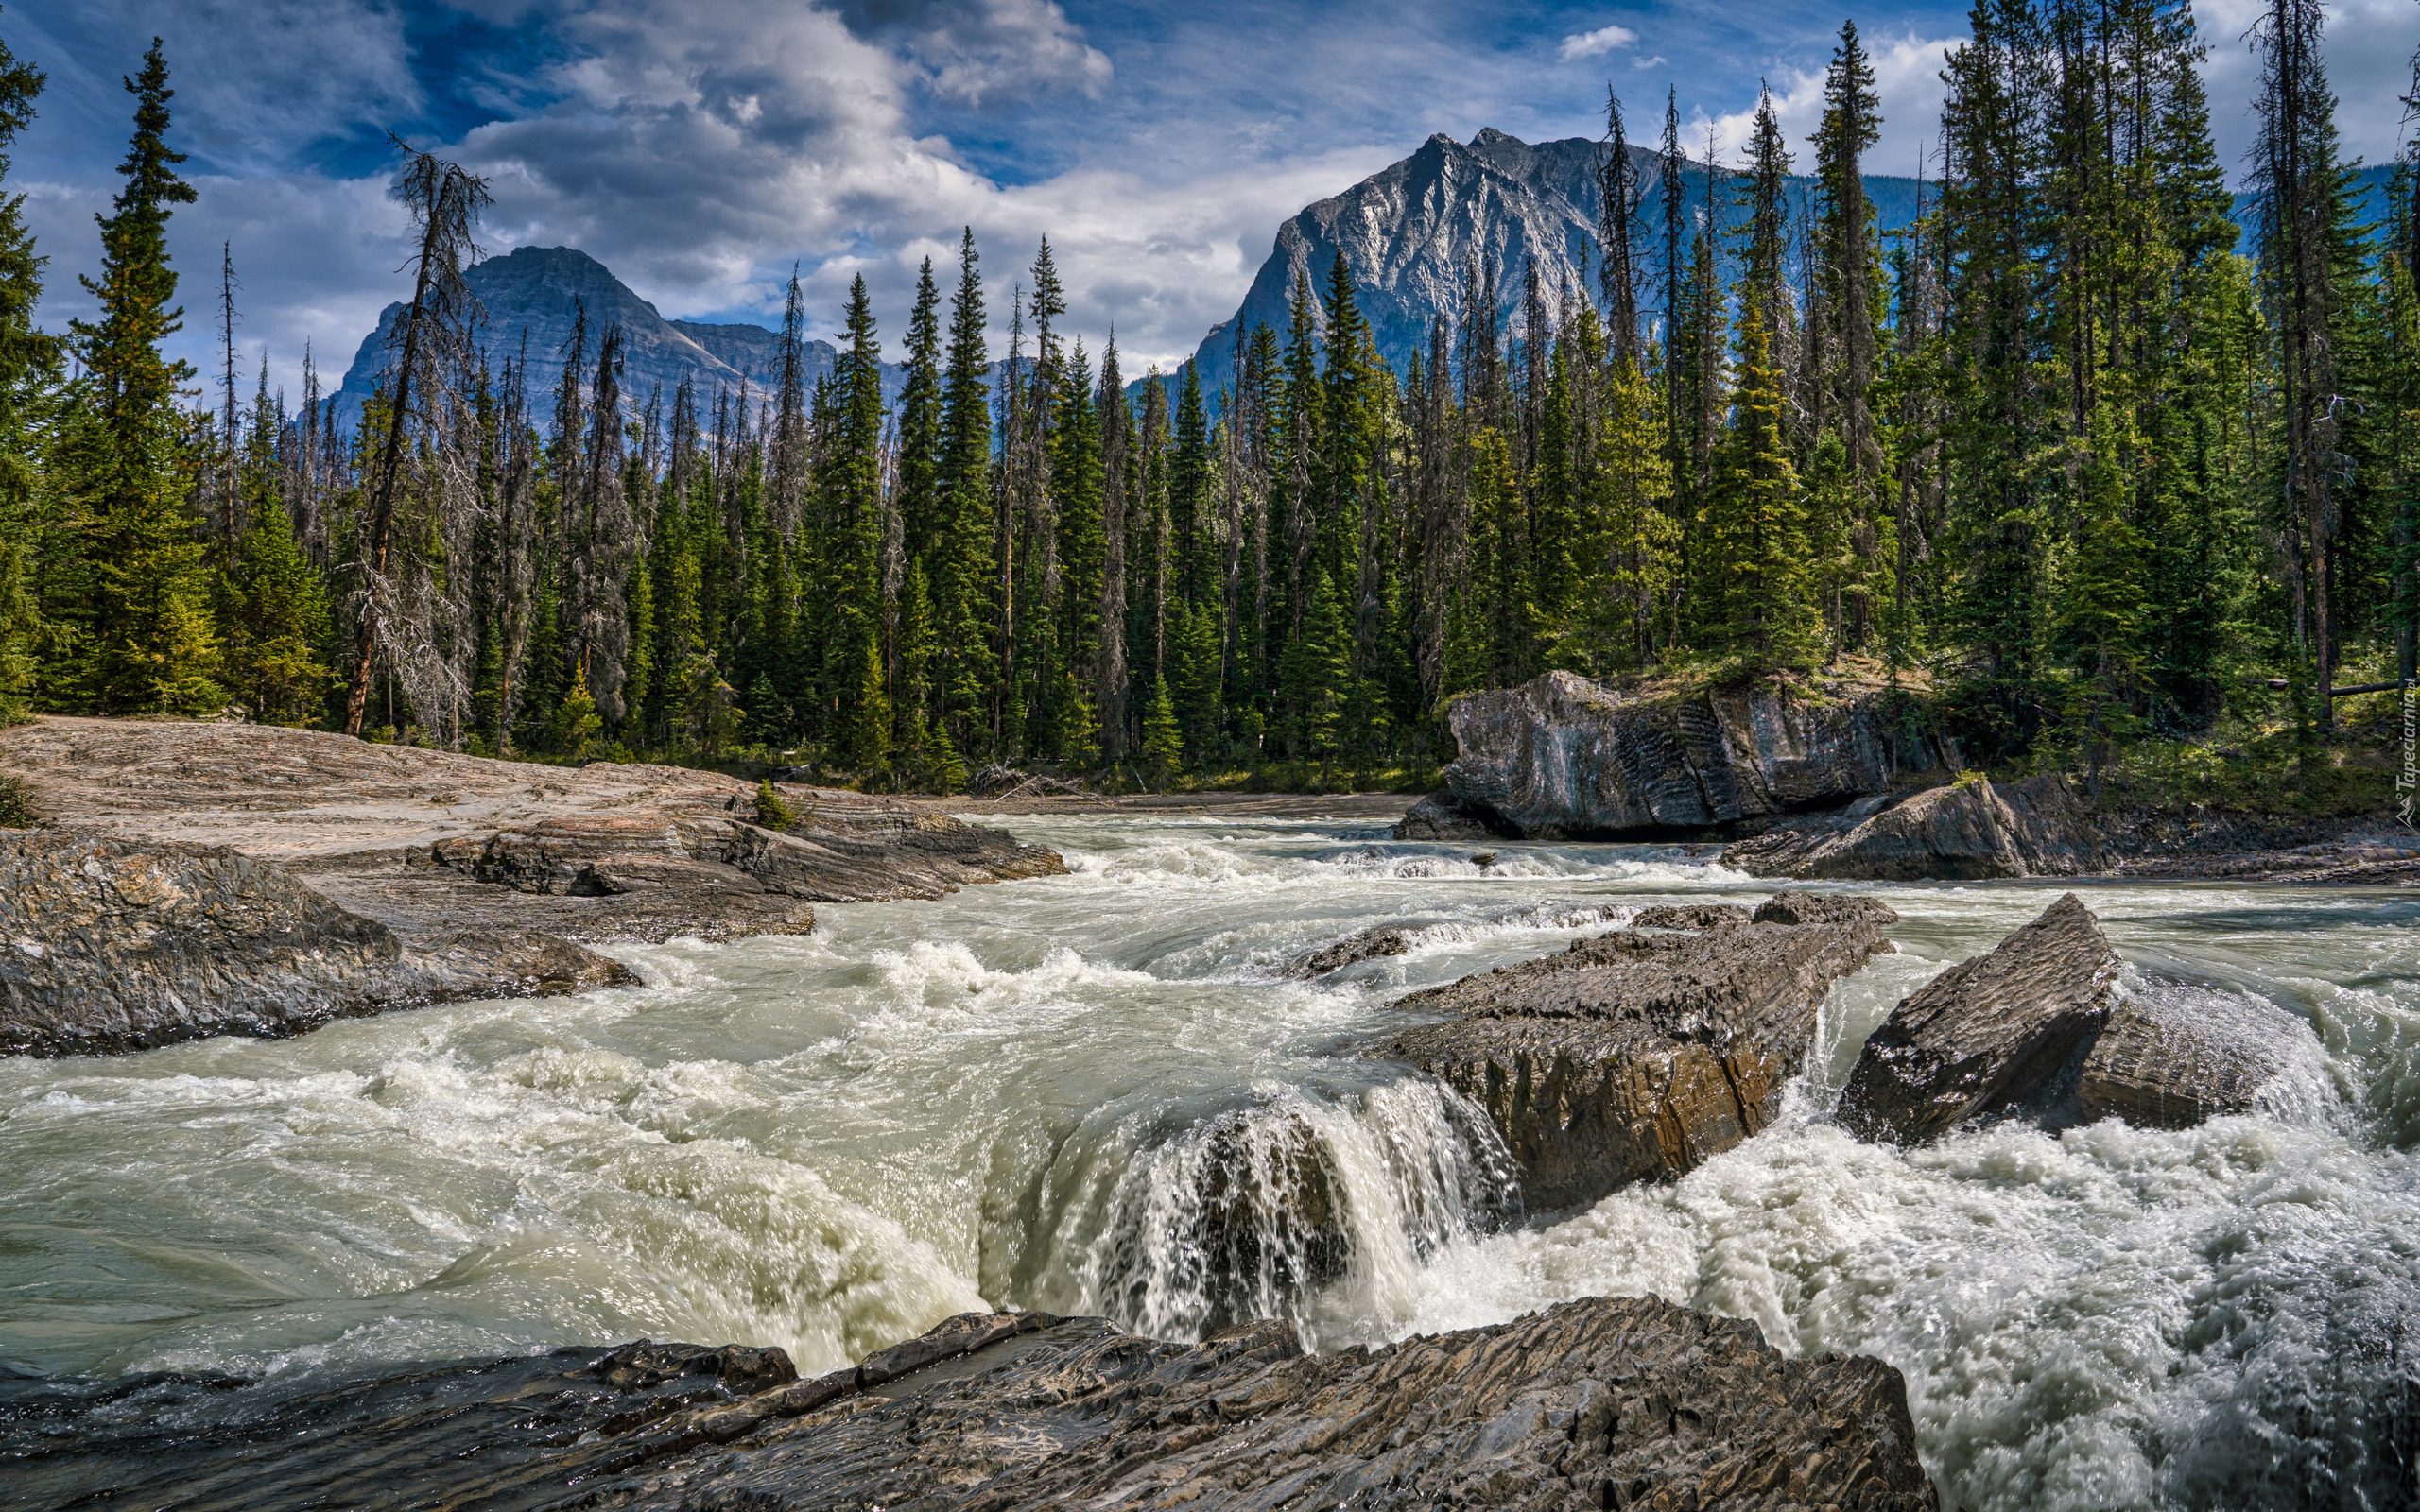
(16, 804)
(771, 813)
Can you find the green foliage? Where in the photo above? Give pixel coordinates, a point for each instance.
(16, 804)
(771, 811)
(1162, 737)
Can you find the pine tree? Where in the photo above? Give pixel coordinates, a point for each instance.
(962, 567)
(149, 643)
(1755, 594)
(28, 370)
(1162, 737)
(918, 490)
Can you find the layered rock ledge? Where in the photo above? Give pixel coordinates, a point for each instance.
(468, 863)
(1595, 1403)
(1636, 1056)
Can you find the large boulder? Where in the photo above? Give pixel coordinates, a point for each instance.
(1963, 832)
(1989, 1034)
(1607, 1401)
(1563, 756)
(2043, 1026)
(1634, 1055)
(111, 945)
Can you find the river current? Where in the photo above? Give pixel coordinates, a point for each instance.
(1102, 1093)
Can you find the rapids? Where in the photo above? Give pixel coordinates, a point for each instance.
(1102, 1093)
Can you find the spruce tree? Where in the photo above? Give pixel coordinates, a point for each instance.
(28, 371)
(149, 643)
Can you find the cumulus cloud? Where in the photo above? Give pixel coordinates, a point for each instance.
(1592, 44)
(980, 52)
(1907, 79)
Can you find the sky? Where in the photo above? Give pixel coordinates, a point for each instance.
(702, 148)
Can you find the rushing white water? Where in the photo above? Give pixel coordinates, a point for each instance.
(1102, 1093)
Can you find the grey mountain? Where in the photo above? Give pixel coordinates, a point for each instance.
(533, 291)
(1408, 232)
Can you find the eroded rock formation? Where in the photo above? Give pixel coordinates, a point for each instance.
(1609, 1401)
(488, 876)
(1963, 832)
(1691, 916)
(1443, 816)
(1635, 1055)
(1988, 1033)
(111, 945)
(1565, 757)
(2044, 1027)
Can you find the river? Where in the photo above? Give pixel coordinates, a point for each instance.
(1102, 1093)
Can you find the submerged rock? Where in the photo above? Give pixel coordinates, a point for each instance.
(1609, 1401)
(1390, 939)
(1964, 832)
(112, 945)
(1989, 1034)
(1563, 756)
(1634, 1055)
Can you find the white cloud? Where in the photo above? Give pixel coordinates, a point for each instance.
(1656, 61)
(1907, 79)
(1602, 40)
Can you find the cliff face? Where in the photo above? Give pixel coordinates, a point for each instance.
(1561, 757)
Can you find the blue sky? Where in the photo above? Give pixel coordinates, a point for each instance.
(700, 147)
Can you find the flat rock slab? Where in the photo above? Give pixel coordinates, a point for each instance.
(1692, 915)
(1988, 1033)
(1610, 1401)
(423, 839)
(1635, 1055)
(110, 945)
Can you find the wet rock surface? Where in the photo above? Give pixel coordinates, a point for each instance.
(1601, 1402)
(2044, 1027)
(1636, 1056)
(1443, 816)
(110, 945)
(2158, 1071)
(1991, 1034)
(1392, 939)
(1565, 757)
(1691, 916)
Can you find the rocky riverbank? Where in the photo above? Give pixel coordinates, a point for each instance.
(1836, 781)
(1611, 1401)
(277, 878)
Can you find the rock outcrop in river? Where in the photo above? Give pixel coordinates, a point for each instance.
(482, 870)
(1635, 1055)
(1964, 832)
(2042, 1027)
(1610, 1401)
(1561, 757)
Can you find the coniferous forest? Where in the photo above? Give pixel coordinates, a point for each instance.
(2083, 465)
